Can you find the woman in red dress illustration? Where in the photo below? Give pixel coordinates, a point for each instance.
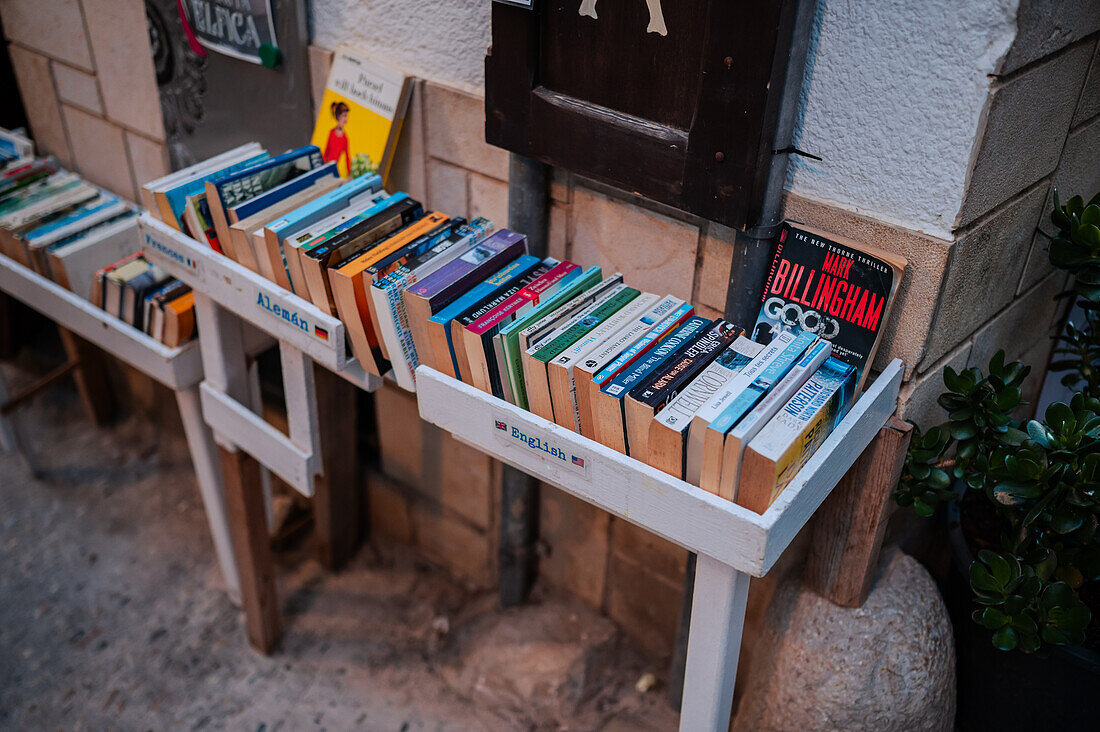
(337, 145)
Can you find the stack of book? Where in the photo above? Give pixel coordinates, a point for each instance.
(640, 372)
(73, 232)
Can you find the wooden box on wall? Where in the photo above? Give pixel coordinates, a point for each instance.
(686, 118)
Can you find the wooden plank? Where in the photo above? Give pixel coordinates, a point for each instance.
(714, 644)
(244, 503)
(680, 512)
(337, 491)
(812, 485)
(90, 377)
(205, 459)
(251, 297)
(238, 426)
(849, 526)
(174, 367)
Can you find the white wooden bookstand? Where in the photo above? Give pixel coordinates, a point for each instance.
(229, 300)
(732, 542)
(180, 369)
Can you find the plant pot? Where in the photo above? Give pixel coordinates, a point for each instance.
(1000, 691)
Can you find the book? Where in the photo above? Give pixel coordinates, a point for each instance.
(561, 370)
(705, 447)
(658, 346)
(321, 231)
(789, 439)
(442, 354)
(198, 223)
(667, 444)
(179, 320)
(537, 357)
(37, 241)
(102, 285)
(385, 217)
(750, 425)
(436, 291)
(388, 302)
(227, 191)
(417, 252)
(242, 230)
(478, 334)
(167, 197)
(361, 114)
(609, 351)
(531, 328)
(322, 207)
(834, 287)
(349, 288)
(649, 397)
(74, 262)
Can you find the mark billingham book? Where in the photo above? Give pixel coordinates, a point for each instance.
(776, 455)
(646, 399)
(836, 288)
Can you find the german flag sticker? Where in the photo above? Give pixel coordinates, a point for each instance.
(320, 333)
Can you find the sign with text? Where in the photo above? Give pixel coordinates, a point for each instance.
(533, 442)
(237, 28)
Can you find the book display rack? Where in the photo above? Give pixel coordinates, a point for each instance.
(733, 543)
(180, 369)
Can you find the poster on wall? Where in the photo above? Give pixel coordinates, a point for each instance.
(243, 29)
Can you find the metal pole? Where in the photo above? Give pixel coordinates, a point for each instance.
(519, 493)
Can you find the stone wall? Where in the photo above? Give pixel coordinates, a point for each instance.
(86, 77)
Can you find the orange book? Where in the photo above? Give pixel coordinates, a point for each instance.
(349, 289)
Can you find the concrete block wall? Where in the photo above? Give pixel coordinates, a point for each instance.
(87, 101)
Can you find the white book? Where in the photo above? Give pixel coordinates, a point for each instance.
(564, 364)
(718, 401)
(751, 424)
(74, 265)
(389, 305)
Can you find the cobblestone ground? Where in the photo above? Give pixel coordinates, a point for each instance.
(112, 616)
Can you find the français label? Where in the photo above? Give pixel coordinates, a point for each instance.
(171, 253)
(526, 440)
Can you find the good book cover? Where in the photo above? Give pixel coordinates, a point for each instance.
(361, 114)
(836, 288)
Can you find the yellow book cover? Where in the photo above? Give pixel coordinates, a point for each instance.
(361, 114)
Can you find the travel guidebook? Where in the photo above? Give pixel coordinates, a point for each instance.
(836, 288)
(361, 114)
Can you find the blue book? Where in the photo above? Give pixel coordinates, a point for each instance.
(104, 201)
(325, 205)
(177, 197)
(258, 203)
(439, 325)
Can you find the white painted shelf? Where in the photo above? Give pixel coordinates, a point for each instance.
(255, 299)
(176, 368)
(180, 369)
(628, 488)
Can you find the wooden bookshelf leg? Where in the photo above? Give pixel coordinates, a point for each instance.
(7, 340)
(850, 524)
(717, 619)
(244, 502)
(91, 377)
(204, 457)
(337, 493)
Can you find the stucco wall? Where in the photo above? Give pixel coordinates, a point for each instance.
(892, 102)
(441, 41)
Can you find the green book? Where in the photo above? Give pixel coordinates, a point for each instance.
(509, 336)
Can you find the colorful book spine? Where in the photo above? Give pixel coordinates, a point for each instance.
(787, 442)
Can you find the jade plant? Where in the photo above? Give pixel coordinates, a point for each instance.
(1038, 478)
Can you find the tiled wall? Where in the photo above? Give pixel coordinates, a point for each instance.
(88, 86)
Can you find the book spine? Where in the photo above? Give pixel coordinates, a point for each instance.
(686, 364)
(621, 385)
